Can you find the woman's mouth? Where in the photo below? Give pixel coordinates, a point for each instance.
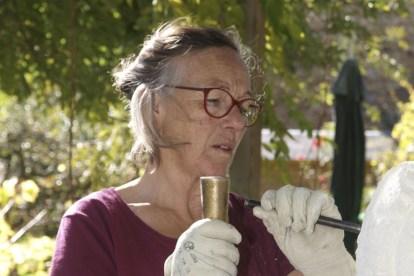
(225, 148)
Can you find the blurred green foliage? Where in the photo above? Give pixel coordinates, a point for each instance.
(36, 98)
(34, 151)
(403, 133)
(31, 254)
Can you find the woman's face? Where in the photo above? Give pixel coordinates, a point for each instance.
(210, 143)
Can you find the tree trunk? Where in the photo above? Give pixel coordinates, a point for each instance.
(72, 68)
(246, 167)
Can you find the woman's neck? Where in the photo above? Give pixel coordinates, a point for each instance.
(166, 189)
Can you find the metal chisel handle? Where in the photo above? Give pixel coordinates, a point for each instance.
(335, 223)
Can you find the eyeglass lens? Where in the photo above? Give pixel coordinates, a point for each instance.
(219, 103)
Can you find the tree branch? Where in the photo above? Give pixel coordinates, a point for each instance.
(23, 230)
(7, 207)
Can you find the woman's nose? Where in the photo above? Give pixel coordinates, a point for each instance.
(234, 120)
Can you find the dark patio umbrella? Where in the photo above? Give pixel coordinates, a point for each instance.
(349, 158)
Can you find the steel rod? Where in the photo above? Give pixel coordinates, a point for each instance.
(335, 223)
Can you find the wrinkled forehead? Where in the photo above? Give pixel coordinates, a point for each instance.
(215, 67)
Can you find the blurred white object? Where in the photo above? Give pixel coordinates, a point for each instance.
(386, 241)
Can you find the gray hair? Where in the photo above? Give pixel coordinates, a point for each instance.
(139, 77)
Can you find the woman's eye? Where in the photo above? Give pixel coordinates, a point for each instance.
(249, 108)
(243, 111)
(213, 101)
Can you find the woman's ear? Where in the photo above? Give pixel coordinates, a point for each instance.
(158, 108)
(156, 103)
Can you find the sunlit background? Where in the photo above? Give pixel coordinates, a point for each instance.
(64, 130)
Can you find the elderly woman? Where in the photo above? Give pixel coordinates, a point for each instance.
(191, 102)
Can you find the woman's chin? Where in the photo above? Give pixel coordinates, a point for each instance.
(216, 171)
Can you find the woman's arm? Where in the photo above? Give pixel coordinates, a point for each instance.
(82, 249)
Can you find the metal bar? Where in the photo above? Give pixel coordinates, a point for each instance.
(215, 197)
(335, 223)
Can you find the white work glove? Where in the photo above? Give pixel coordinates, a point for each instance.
(290, 214)
(206, 248)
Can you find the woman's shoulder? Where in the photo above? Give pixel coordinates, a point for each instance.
(97, 202)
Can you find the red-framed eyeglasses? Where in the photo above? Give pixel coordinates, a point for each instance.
(219, 102)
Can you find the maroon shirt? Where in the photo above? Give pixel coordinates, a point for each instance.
(100, 235)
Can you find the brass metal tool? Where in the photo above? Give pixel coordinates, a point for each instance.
(335, 223)
(215, 197)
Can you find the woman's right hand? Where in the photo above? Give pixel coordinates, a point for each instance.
(206, 248)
